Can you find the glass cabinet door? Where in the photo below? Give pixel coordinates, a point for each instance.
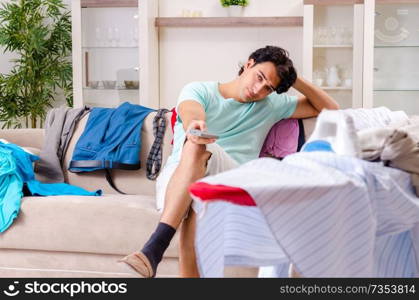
(110, 55)
(396, 56)
(334, 44)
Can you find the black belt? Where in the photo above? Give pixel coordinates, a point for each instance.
(107, 165)
(102, 164)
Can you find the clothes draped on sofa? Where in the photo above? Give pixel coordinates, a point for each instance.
(17, 178)
(111, 139)
(154, 158)
(59, 128)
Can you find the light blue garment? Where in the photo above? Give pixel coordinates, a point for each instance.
(241, 127)
(10, 189)
(15, 171)
(38, 188)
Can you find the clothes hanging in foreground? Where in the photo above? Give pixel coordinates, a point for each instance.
(330, 215)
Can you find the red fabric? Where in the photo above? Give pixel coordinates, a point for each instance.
(209, 192)
(173, 121)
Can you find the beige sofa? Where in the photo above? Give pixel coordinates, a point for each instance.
(75, 236)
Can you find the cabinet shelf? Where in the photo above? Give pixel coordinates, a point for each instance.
(333, 46)
(397, 90)
(228, 21)
(110, 47)
(397, 1)
(337, 88)
(333, 2)
(396, 46)
(104, 89)
(108, 3)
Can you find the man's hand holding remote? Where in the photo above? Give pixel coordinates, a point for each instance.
(196, 133)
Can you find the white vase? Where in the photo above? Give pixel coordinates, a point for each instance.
(235, 10)
(332, 76)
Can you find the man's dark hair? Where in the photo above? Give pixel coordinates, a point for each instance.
(284, 65)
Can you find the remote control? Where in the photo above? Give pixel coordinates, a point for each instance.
(203, 134)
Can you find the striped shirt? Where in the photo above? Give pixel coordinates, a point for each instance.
(330, 215)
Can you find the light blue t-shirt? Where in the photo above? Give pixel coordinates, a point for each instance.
(241, 127)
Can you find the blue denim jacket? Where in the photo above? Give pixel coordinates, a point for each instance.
(111, 139)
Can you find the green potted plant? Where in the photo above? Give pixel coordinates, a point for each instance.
(235, 7)
(39, 33)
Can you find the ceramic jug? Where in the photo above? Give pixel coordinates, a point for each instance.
(332, 76)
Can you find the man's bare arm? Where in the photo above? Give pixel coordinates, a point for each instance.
(192, 115)
(312, 102)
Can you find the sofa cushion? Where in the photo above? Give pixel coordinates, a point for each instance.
(109, 224)
(130, 182)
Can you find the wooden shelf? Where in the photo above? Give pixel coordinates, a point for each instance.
(397, 90)
(333, 2)
(396, 1)
(333, 46)
(109, 3)
(335, 88)
(229, 21)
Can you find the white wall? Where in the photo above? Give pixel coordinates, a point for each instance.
(5, 64)
(5, 57)
(189, 54)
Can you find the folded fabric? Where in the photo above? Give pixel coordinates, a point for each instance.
(395, 145)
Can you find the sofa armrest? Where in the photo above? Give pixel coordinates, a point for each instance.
(24, 137)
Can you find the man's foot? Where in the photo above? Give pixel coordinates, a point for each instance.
(140, 263)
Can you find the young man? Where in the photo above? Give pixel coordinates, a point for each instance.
(240, 112)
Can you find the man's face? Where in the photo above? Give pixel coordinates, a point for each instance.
(257, 81)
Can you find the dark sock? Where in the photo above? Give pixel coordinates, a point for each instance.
(157, 244)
